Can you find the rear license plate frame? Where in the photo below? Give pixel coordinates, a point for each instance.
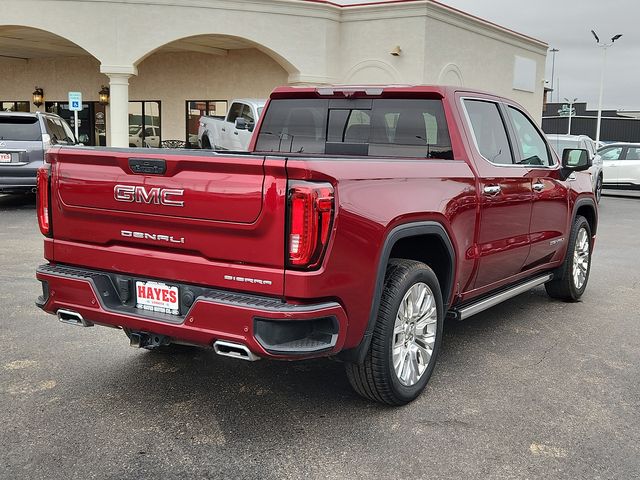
(156, 297)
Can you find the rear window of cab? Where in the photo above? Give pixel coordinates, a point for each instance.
(360, 127)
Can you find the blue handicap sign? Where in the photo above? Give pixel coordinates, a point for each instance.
(75, 101)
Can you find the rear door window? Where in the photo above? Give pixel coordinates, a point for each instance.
(633, 153)
(20, 128)
(58, 132)
(489, 131)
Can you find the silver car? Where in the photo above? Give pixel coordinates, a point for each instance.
(561, 142)
(24, 137)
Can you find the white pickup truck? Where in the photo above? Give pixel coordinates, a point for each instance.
(233, 132)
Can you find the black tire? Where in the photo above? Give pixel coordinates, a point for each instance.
(206, 145)
(563, 286)
(598, 192)
(376, 378)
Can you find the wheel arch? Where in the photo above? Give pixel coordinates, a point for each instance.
(587, 208)
(426, 241)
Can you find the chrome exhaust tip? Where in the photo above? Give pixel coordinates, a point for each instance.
(234, 350)
(72, 318)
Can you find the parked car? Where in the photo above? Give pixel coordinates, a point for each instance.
(560, 142)
(234, 131)
(358, 220)
(150, 139)
(621, 165)
(23, 139)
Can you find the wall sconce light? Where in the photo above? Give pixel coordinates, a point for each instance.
(396, 51)
(103, 95)
(38, 96)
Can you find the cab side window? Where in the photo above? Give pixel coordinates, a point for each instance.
(489, 131)
(247, 114)
(532, 146)
(234, 112)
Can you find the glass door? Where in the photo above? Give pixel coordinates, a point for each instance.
(145, 124)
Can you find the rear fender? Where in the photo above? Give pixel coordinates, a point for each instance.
(357, 355)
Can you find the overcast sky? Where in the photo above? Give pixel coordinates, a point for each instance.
(566, 25)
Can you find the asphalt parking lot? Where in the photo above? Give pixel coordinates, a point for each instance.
(533, 388)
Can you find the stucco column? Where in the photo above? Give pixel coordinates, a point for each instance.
(118, 124)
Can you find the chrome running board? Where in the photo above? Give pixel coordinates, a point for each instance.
(485, 303)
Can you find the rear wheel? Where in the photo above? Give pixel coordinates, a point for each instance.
(571, 279)
(406, 338)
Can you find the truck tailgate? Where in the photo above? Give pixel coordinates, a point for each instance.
(202, 218)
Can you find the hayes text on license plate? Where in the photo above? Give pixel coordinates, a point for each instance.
(5, 157)
(157, 297)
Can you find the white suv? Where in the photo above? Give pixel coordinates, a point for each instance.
(560, 142)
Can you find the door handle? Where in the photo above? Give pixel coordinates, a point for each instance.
(235, 133)
(224, 129)
(538, 187)
(492, 190)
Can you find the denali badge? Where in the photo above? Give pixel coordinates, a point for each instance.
(248, 280)
(155, 195)
(557, 241)
(151, 236)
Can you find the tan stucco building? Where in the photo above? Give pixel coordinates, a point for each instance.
(166, 62)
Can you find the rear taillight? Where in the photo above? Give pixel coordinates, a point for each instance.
(44, 218)
(46, 141)
(311, 208)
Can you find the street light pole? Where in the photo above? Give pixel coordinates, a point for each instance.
(604, 47)
(570, 102)
(553, 70)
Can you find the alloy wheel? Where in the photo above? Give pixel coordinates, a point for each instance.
(581, 259)
(414, 334)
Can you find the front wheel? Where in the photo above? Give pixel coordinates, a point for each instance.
(406, 338)
(598, 191)
(571, 279)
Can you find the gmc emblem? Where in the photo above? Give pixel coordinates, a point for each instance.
(150, 196)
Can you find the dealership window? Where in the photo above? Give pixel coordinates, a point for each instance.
(14, 106)
(200, 108)
(144, 124)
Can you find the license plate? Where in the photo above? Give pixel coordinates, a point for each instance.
(5, 158)
(157, 297)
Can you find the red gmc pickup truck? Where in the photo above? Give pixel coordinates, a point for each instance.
(358, 221)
